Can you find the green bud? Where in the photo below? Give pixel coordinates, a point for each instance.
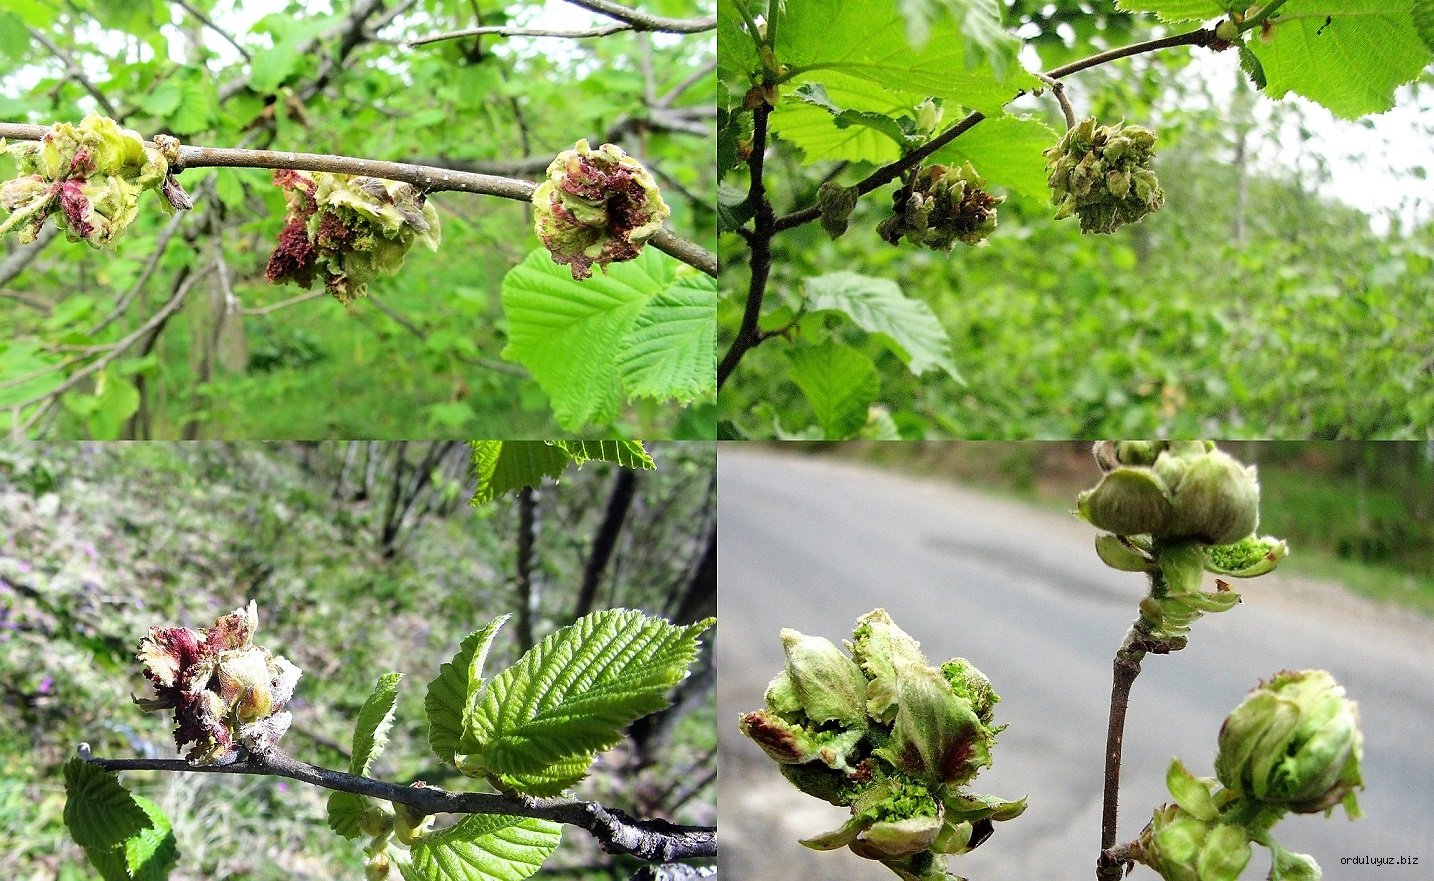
(1217, 501)
(1246, 558)
(1194, 795)
(928, 116)
(881, 648)
(1102, 174)
(829, 686)
(1128, 501)
(1227, 31)
(945, 205)
(1294, 742)
(936, 736)
(836, 204)
(1118, 552)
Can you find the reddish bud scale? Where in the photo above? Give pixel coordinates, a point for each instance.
(76, 207)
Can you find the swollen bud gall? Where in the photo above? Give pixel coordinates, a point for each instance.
(596, 207)
(1102, 174)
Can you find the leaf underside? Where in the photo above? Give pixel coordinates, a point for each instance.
(483, 847)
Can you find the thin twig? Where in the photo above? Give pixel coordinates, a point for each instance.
(76, 73)
(764, 229)
(1059, 90)
(429, 178)
(650, 840)
(692, 79)
(205, 20)
(118, 349)
(284, 304)
(643, 22)
(23, 255)
(502, 31)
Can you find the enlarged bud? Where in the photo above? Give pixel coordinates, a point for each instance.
(1182, 847)
(1189, 493)
(827, 684)
(1103, 175)
(836, 203)
(226, 692)
(1226, 31)
(596, 207)
(1294, 742)
(890, 736)
(929, 114)
(92, 174)
(347, 230)
(944, 205)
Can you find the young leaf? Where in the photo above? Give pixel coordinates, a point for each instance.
(127, 838)
(504, 466)
(570, 334)
(1177, 10)
(1006, 151)
(672, 350)
(571, 695)
(447, 699)
(628, 454)
(375, 718)
(839, 383)
(483, 847)
(905, 325)
(99, 811)
(1349, 55)
(867, 40)
(346, 810)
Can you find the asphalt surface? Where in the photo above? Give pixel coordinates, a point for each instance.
(814, 542)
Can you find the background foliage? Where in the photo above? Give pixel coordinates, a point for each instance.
(1272, 296)
(422, 356)
(359, 567)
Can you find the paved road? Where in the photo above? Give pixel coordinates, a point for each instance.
(813, 543)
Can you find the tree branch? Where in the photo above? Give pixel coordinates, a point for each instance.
(205, 20)
(641, 21)
(76, 73)
(429, 178)
(893, 170)
(760, 242)
(650, 840)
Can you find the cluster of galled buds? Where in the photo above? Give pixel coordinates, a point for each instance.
(347, 230)
(1293, 744)
(596, 207)
(1176, 510)
(942, 206)
(225, 691)
(1102, 175)
(90, 177)
(889, 736)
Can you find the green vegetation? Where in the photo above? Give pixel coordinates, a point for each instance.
(1270, 296)
(447, 347)
(360, 567)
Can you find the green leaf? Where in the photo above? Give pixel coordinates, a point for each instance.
(1349, 55)
(570, 333)
(187, 101)
(813, 129)
(1006, 150)
(126, 838)
(839, 383)
(346, 810)
(14, 38)
(483, 847)
(375, 718)
(506, 466)
(906, 326)
(628, 454)
(736, 49)
(1424, 22)
(672, 350)
(901, 130)
(163, 99)
(116, 399)
(458, 680)
(1190, 792)
(867, 40)
(539, 724)
(980, 22)
(1177, 10)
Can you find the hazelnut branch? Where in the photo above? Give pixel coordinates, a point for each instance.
(429, 178)
(759, 238)
(650, 840)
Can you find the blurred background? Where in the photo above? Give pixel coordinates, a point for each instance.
(365, 558)
(973, 551)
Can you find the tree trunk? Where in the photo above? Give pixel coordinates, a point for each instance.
(528, 524)
(605, 539)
